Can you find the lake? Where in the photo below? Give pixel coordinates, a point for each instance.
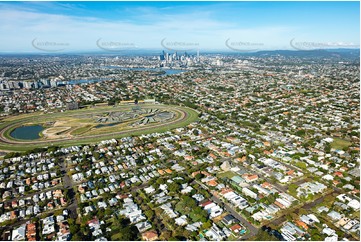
(27, 132)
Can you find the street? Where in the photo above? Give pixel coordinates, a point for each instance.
(68, 184)
(252, 230)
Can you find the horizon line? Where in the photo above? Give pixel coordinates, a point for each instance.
(119, 52)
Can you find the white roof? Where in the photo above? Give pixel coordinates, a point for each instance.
(328, 177)
(354, 204)
(19, 233)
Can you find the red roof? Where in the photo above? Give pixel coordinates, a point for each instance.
(266, 185)
(235, 227)
(279, 204)
(290, 172)
(339, 174)
(302, 224)
(150, 235)
(205, 203)
(226, 190)
(212, 183)
(94, 221)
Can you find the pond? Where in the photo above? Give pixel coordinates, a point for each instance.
(107, 125)
(27, 132)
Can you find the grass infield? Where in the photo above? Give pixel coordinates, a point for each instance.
(82, 134)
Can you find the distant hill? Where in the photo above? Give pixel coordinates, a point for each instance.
(320, 53)
(313, 53)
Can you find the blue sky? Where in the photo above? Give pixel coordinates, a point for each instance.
(83, 26)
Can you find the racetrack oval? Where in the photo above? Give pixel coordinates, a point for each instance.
(183, 117)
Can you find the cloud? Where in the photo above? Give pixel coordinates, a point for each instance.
(145, 27)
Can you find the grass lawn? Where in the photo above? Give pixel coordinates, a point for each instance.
(116, 237)
(110, 220)
(228, 174)
(81, 130)
(233, 238)
(339, 144)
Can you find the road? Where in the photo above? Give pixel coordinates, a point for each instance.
(252, 230)
(306, 206)
(68, 184)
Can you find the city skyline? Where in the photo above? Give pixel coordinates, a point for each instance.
(177, 26)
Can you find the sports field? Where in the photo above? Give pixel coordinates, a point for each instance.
(92, 125)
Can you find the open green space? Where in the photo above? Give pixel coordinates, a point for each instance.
(340, 144)
(228, 174)
(79, 128)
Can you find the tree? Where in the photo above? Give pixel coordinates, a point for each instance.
(199, 176)
(74, 228)
(271, 199)
(12, 155)
(195, 132)
(174, 187)
(301, 132)
(329, 199)
(264, 236)
(327, 148)
(302, 211)
(121, 222)
(315, 236)
(66, 194)
(149, 213)
(293, 189)
(96, 155)
(264, 120)
(76, 236)
(160, 181)
(35, 220)
(129, 233)
(294, 216)
(207, 224)
(108, 211)
(301, 165)
(165, 235)
(198, 214)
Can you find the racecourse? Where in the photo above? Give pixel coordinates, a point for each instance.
(183, 117)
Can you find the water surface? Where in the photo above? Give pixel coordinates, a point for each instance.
(27, 132)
